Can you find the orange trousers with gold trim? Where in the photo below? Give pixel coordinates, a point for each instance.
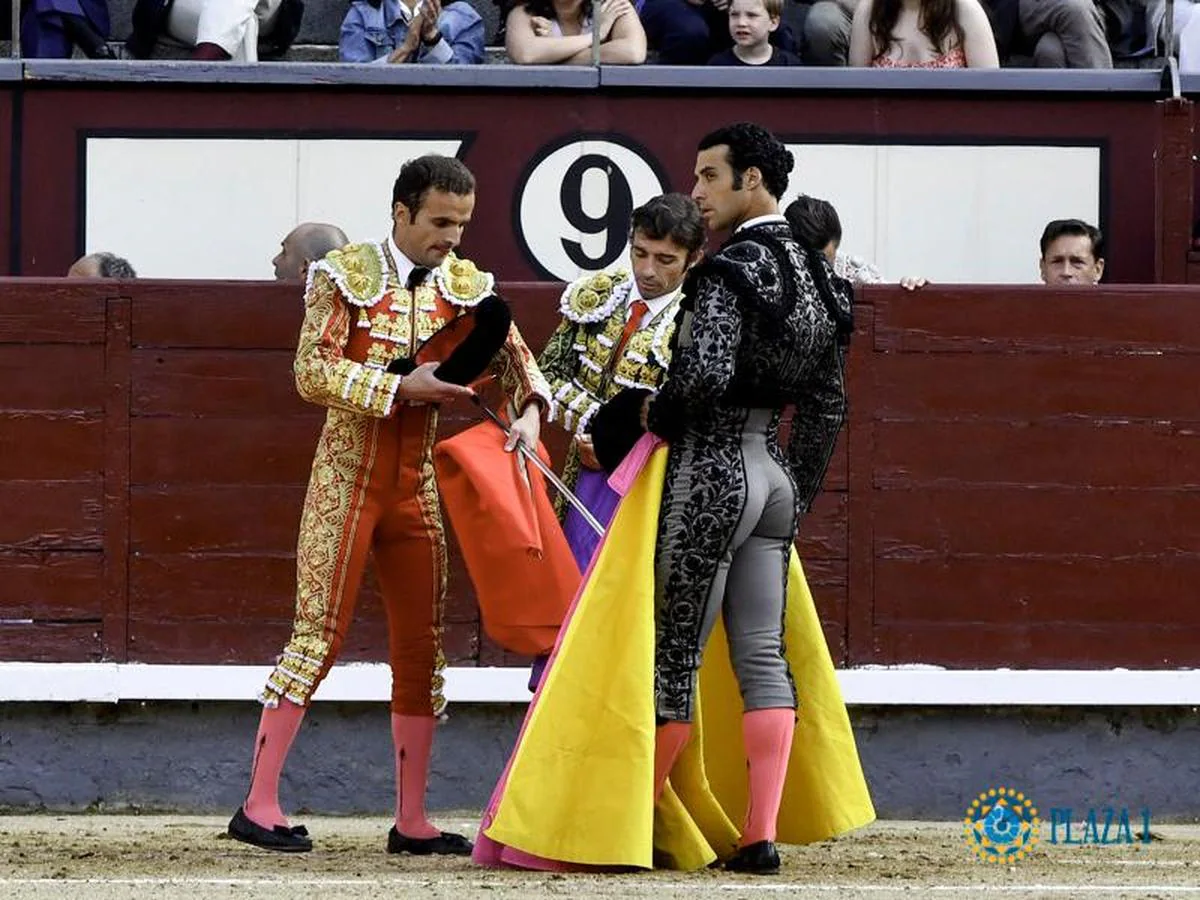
(372, 490)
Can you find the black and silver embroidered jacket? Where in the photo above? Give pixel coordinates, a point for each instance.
(764, 324)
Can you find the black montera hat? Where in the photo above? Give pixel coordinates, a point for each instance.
(465, 346)
(617, 426)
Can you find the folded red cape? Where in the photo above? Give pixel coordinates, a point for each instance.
(516, 554)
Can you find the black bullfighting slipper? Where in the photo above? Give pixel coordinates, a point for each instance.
(280, 838)
(760, 858)
(445, 844)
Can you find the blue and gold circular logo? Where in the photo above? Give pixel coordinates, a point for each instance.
(1001, 825)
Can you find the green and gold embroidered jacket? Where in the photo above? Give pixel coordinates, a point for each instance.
(578, 360)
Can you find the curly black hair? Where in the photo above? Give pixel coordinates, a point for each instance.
(814, 222)
(749, 146)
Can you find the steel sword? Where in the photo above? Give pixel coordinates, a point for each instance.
(532, 456)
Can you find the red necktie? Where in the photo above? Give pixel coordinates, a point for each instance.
(637, 312)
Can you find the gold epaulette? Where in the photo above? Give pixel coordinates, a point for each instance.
(593, 298)
(462, 283)
(357, 270)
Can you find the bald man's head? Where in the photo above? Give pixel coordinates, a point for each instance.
(303, 245)
(101, 265)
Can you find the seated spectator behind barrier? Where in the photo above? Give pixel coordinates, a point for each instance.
(686, 32)
(1056, 33)
(550, 32)
(101, 265)
(922, 34)
(1187, 36)
(1072, 253)
(218, 30)
(827, 32)
(305, 244)
(1136, 29)
(411, 31)
(816, 225)
(52, 29)
(751, 23)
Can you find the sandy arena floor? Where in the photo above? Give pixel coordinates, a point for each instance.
(103, 857)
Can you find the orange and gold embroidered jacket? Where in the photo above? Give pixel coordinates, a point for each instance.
(358, 318)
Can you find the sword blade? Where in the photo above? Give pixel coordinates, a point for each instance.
(532, 456)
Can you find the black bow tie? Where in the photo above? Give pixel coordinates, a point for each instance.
(417, 276)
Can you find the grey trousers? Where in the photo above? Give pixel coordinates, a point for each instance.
(1066, 33)
(726, 527)
(827, 32)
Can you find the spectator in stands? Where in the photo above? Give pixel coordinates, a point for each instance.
(1136, 29)
(235, 30)
(827, 32)
(217, 30)
(922, 34)
(411, 31)
(1055, 33)
(1187, 36)
(101, 265)
(816, 225)
(52, 29)
(549, 32)
(686, 32)
(690, 32)
(751, 24)
(1072, 253)
(305, 244)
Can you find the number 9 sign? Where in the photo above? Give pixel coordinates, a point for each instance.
(575, 199)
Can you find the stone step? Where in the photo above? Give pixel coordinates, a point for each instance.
(171, 49)
(321, 24)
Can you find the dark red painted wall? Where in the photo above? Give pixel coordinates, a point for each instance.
(509, 130)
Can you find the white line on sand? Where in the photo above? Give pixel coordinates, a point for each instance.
(1154, 863)
(789, 887)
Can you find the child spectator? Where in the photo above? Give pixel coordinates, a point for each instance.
(751, 24)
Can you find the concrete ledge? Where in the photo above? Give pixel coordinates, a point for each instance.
(920, 763)
(919, 686)
(297, 53)
(10, 70)
(1045, 81)
(648, 77)
(190, 72)
(1190, 84)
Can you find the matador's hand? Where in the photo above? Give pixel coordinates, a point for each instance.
(525, 429)
(587, 452)
(422, 386)
(644, 412)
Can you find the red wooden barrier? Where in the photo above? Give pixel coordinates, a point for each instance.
(1033, 478)
(1016, 484)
